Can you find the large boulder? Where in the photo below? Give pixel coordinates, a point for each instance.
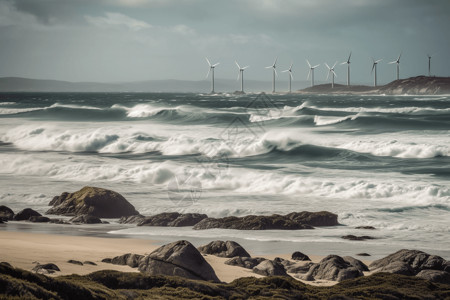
(292, 221)
(411, 262)
(297, 255)
(133, 219)
(94, 201)
(224, 249)
(179, 258)
(270, 268)
(335, 268)
(128, 259)
(86, 219)
(245, 262)
(435, 276)
(172, 219)
(26, 214)
(39, 219)
(6, 213)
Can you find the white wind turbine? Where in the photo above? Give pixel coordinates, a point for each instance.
(211, 69)
(398, 65)
(311, 72)
(241, 74)
(274, 73)
(374, 67)
(333, 74)
(348, 68)
(290, 76)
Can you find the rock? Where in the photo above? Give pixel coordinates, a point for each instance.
(409, 262)
(292, 221)
(224, 249)
(363, 254)
(365, 227)
(26, 214)
(270, 268)
(435, 276)
(179, 258)
(58, 221)
(134, 219)
(107, 260)
(6, 213)
(333, 267)
(297, 255)
(75, 262)
(88, 262)
(299, 267)
(128, 259)
(4, 263)
(94, 201)
(172, 219)
(46, 268)
(245, 262)
(1, 221)
(86, 219)
(39, 219)
(357, 238)
(356, 263)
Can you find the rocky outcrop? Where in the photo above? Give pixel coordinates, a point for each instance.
(365, 227)
(413, 262)
(134, 219)
(129, 259)
(49, 268)
(292, 221)
(297, 255)
(39, 219)
(6, 213)
(86, 219)
(179, 258)
(75, 262)
(94, 201)
(172, 219)
(435, 276)
(245, 262)
(419, 85)
(270, 268)
(352, 237)
(336, 268)
(224, 249)
(26, 214)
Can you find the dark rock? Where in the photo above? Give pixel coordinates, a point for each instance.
(224, 249)
(245, 262)
(179, 258)
(363, 254)
(6, 213)
(134, 219)
(409, 262)
(172, 219)
(94, 201)
(26, 214)
(75, 262)
(292, 221)
(58, 221)
(128, 259)
(107, 260)
(1, 221)
(88, 262)
(334, 268)
(270, 268)
(352, 237)
(435, 276)
(86, 219)
(299, 267)
(365, 227)
(356, 263)
(46, 268)
(297, 255)
(39, 219)
(4, 263)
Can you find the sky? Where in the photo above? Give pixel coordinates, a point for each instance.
(137, 40)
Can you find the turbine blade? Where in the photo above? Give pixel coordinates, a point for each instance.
(239, 74)
(216, 64)
(327, 66)
(284, 71)
(239, 67)
(275, 62)
(307, 77)
(207, 74)
(316, 66)
(343, 63)
(209, 64)
(245, 67)
(269, 67)
(276, 74)
(379, 60)
(292, 76)
(373, 66)
(328, 74)
(392, 62)
(398, 59)
(335, 75)
(290, 68)
(308, 63)
(348, 60)
(334, 65)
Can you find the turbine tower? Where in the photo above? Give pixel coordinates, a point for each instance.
(398, 65)
(211, 69)
(290, 76)
(348, 68)
(429, 65)
(274, 73)
(311, 72)
(374, 66)
(241, 74)
(331, 70)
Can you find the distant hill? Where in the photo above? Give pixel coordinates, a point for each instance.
(18, 84)
(420, 85)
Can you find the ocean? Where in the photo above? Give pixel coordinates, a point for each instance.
(381, 161)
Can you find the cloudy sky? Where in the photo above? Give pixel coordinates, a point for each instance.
(129, 40)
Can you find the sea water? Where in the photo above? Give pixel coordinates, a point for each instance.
(381, 161)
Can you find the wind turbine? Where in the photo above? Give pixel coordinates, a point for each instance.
(429, 65)
(290, 76)
(274, 73)
(348, 68)
(211, 69)
(241, 74)
(398, 65)
(331, 70)
(374, 66)
(311, 72)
